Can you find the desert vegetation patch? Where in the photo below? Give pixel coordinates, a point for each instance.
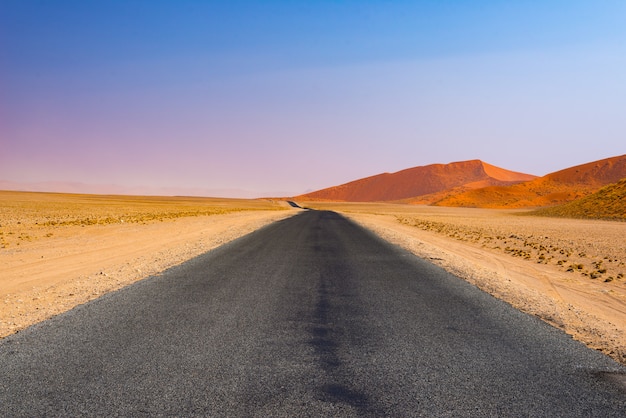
(583, 256)
(607, 203)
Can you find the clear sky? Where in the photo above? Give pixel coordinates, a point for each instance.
(289, 96)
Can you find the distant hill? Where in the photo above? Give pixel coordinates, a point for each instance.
(553, 189)
(607, 203)
(419, 181)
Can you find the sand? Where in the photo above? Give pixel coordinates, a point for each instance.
(57, 252)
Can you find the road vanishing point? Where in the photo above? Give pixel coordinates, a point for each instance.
(312, 316)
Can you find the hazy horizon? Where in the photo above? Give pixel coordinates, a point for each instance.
(260, 97)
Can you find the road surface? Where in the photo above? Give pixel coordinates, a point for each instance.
(310, 316)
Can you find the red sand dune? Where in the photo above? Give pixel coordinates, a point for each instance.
(419, 181)
(552, 189)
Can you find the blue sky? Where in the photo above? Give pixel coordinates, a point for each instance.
(288, 96)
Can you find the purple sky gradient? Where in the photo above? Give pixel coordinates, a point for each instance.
(282, 97)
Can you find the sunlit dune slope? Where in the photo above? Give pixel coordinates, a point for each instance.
(550, 190)
(607, 203)
(419, 181)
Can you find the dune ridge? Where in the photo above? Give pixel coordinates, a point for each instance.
(419, 181)
(550, 190)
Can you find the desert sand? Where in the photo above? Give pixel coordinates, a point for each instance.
(552, 189)
(568, 272)
(59, 251)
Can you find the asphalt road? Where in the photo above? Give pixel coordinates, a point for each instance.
(310, 316)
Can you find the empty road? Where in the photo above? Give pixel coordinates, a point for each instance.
(311, 316)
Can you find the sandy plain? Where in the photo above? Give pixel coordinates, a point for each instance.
(58, 251)
(568, 272)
